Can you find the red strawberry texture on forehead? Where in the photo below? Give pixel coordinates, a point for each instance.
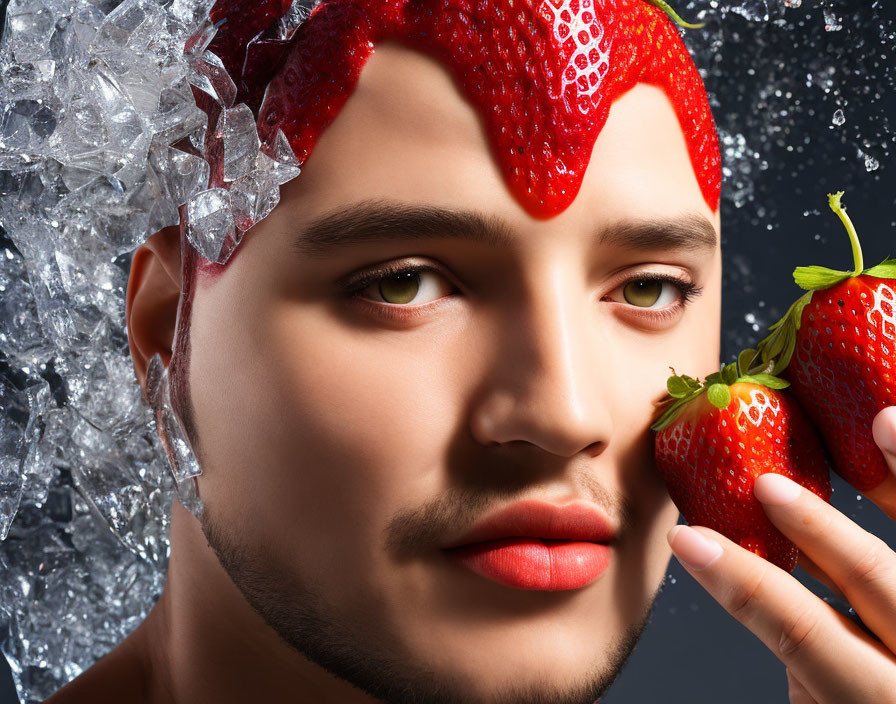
(542, 74)
(710, 458)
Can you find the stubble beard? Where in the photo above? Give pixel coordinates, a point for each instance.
(300, 615)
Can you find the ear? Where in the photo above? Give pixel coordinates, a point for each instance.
(153, 293)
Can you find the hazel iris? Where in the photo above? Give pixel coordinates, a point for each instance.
(400, 288)
(643, 293)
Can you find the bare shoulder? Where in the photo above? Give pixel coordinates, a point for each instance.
(117, 677)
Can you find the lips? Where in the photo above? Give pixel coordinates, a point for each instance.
(535, 545)
(578, 521)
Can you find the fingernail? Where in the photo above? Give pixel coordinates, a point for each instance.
(693, 549)
(775, 489)
(884, 430)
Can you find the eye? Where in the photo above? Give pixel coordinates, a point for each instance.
(655, 291)
(401, 285)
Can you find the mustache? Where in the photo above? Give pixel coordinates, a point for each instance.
(416, 531)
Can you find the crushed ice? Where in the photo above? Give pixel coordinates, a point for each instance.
(100, 143)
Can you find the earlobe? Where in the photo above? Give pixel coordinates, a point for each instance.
(153, 293)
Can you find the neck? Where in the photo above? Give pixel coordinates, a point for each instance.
(203, 642)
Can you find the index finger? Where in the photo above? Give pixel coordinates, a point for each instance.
(823, 647)
(861, 564)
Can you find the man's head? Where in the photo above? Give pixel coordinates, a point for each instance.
(348, 435)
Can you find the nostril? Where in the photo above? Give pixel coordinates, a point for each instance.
(511, 443)
(594, 449)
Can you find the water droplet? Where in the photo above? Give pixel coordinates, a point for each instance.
(831, 22)
(839, 117)
(753, 10)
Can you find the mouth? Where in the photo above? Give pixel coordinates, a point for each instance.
(535, 563)
(579, 521)
(538, 545)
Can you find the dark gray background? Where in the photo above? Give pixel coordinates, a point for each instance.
(692, 651)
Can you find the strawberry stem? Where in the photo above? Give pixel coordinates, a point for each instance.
(834, 202)
(664, 6)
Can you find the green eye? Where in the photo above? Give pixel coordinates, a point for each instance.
(400, 288)
(643, 293)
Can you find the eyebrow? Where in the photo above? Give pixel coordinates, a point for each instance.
(380, 221)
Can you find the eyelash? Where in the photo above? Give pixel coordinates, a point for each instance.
(353, 289)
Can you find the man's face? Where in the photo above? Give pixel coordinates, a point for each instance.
(346, 441)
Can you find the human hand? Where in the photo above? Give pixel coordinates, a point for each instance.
(829, 659)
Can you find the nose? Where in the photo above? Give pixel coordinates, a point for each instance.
(551, 377)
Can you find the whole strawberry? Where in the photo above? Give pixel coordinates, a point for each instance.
(718, 436)
(837, 347)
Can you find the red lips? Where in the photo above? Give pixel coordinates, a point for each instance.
(539, 546)
(578, 521)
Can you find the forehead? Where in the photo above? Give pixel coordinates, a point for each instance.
(407, 132)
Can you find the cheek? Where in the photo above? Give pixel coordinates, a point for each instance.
(372, 405)
(321, 428)
(643, 363)
(693, 348)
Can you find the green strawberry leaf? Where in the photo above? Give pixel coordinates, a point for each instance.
(779, 345)
(719, 395)
(797, 308)
(745, 360)
(775, 344)
(691, 382)
(768, 380)
(787, 350)
(813, 278)
(885, 270)
(714, 378)
(677, 387)
(729, 373)
(675, 410)
(666, 419)
(775, 326)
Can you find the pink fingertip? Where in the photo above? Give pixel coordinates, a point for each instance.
(884, 430)
(692, 548)
(776, 489)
